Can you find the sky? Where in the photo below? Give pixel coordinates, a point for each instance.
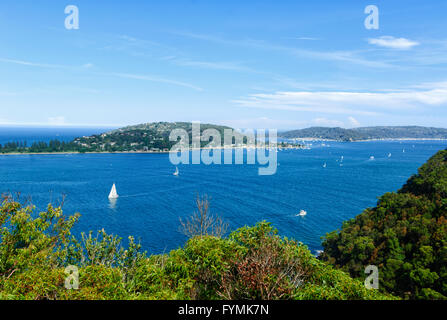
(248, 64)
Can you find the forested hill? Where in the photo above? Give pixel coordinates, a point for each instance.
(405, 236)
(152, 137)
(367, 133)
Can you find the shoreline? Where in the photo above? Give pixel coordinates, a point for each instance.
(141, 152)
(222, 148)
(366, 140)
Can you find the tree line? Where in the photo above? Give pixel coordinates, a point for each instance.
(39, 147)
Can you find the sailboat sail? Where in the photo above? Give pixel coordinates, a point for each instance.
(113, 194)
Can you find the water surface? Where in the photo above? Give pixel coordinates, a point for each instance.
(152, 199)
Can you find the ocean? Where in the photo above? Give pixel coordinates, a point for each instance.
(35, 134)
(152, 199)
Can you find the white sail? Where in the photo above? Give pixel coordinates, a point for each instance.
(113, 194)
(302, 213)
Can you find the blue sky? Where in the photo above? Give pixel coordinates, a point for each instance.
(248, 64)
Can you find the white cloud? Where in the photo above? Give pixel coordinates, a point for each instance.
(349, 103)
(153, 79)
(32, 64)
(7, 93)
(43, 65)
(230, 66)
(327, 122)
(302, 38)
(262, 122)
(354, 122)
(57, 121)
(393, 43)
(334, 56)
(280, 124)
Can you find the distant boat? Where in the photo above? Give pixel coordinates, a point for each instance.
(389, 155)
(302, 213)
(113, 194)
(403, 151)
(176, 172)
(324, 165)
(371, 158)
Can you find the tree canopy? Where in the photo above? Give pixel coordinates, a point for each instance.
(405, 236)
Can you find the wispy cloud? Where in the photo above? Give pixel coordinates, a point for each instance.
(267, 122)
(350, 103)
(153, 79)
(302, 38)
(7, 93)
(213, 65)
(32, 64)
(354, 122)
(89, 66)
(137, 47)
(393, 43)
(335, 56)
(327, 122)
(57, 121)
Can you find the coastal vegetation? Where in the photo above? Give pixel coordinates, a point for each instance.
(154, 137)
(405, 236)
(41, 147)
(145, 137)
(249, 263)
(148, 137)
(366, 133)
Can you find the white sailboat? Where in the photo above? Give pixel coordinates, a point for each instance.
(324, 165)
(389, 155)
(113, 194)
(302, 213)
(176, 172)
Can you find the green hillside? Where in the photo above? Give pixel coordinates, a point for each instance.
(405, 235)
(367, 133)
(148, 137)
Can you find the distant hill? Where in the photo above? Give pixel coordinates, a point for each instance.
(152, 136)
(367, 133)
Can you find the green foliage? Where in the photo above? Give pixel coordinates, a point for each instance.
(252, 263)
(41, 147)
(405, 236)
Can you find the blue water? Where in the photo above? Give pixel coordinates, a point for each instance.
(30, 135)
(152, 200)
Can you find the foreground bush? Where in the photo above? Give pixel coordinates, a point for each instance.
(251, 263)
